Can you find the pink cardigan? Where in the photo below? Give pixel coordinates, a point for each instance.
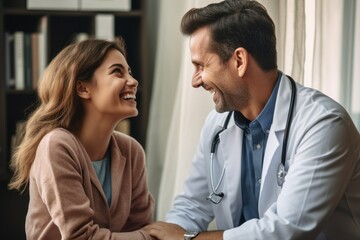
(67, 200)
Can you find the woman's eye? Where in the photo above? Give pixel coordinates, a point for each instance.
(116, 70)
(121, 71)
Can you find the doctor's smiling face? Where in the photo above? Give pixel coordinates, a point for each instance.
(220, 78)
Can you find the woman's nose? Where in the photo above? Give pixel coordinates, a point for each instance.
(132, 81)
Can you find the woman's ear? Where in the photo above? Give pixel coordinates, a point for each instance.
(242, 58)
(82, 90)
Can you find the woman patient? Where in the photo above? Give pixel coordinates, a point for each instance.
(86, 181)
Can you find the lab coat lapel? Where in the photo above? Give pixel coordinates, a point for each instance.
(230, 153)
(269, 189)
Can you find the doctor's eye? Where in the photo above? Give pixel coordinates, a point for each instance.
(198, 67)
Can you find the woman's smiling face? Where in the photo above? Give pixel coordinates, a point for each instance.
(113, 88)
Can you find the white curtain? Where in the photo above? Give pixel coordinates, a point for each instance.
(355, 96)
(177, 110)
(165, 81)
(318, 44)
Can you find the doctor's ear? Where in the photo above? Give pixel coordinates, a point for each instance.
(82, 90)
(242, 57)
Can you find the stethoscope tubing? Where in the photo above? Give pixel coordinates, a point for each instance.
(281, 169)
(288, 121)
(214, 144)
(215, 188)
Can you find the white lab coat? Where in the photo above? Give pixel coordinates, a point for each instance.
(320, 198)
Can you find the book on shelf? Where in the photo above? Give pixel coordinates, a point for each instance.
(104, 26)
(53, 4)
(19, 60)
(43, 32)
(9, 61)
(23, 60)
(105, 5)
(34, 59)
(25, 57)
(28, 61)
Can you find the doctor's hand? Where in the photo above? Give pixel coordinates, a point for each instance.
(169, 231)
(163, 230)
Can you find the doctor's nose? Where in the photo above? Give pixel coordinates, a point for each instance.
(196, 80)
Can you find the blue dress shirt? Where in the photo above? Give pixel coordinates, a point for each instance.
(253, 149)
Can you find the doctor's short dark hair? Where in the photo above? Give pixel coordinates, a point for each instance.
(234, 24)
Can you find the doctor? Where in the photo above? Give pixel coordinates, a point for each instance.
(287, 163)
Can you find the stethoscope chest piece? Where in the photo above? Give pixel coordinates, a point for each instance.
(281, 173)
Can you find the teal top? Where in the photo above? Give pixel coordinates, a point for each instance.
(103, 172)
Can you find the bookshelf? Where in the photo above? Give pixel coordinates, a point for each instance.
(61, 29)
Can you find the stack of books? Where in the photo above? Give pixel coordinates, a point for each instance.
(25, 57)
(82, 5)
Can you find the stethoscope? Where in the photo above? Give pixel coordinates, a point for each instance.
(215, 196)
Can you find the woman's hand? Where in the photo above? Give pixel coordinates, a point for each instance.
(165, 231)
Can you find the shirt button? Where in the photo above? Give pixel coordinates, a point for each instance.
(258, 146)
(259, 180)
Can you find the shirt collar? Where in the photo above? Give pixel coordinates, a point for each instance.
(265, 117)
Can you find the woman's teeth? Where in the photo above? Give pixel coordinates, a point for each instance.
(128, 96)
